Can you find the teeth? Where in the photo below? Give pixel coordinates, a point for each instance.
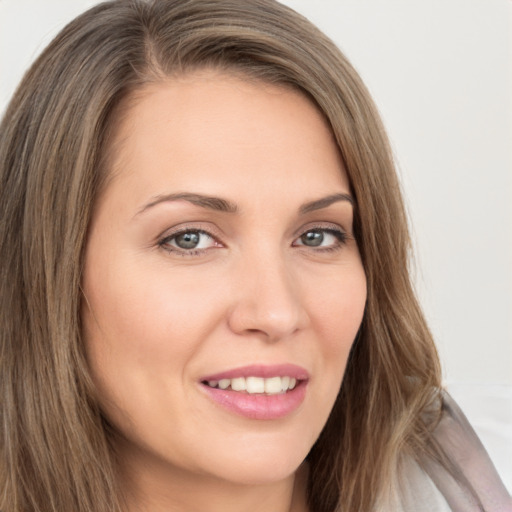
(256, 385)
(224, 383)
(273, 385)
(238, 384)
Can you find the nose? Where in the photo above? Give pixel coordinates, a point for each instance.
(268, 300)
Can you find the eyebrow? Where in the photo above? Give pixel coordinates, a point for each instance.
(208, 202)
(324, 202)
(223, 205)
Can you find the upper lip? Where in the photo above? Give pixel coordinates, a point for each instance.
(265, 371)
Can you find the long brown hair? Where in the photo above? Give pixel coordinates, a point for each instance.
(55, 444)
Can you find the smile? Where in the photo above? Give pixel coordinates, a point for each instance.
(256, 385)
(259, 392)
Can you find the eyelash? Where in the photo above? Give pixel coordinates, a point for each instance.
(164, 242)
(340, 235)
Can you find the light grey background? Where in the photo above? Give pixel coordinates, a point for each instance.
(441, 74)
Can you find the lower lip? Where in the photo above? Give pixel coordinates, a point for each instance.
(259, 407)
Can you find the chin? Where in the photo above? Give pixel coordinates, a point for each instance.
(255, 473)
(251, 462)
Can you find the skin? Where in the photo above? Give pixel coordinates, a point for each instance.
(158, 318)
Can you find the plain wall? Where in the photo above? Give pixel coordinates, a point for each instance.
(440, 72)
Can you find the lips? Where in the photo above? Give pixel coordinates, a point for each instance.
(258, 392)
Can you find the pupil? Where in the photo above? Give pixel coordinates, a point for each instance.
(312, 238)
(187, 240)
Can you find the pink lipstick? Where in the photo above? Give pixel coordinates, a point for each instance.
(258, 391)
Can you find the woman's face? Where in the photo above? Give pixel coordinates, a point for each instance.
(221, 256)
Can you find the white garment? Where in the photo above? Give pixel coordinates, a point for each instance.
(431, 488)
(419, 493)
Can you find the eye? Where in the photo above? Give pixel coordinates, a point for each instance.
(324, 238)
(188, 241)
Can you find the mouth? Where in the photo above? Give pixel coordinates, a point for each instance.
(259, 392)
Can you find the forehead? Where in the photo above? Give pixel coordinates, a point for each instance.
(208, 127)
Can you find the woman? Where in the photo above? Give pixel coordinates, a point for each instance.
(205, 295)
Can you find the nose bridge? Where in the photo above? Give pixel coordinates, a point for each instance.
(269, 297)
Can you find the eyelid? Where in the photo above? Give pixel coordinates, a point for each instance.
(322, 226)
(205, 227)
(215, 234)
(175, 231)
(335, 230)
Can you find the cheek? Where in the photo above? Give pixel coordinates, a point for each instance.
(140, 335)
(338, 309)
(338, 313)
(145, 328)
(141, 317)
